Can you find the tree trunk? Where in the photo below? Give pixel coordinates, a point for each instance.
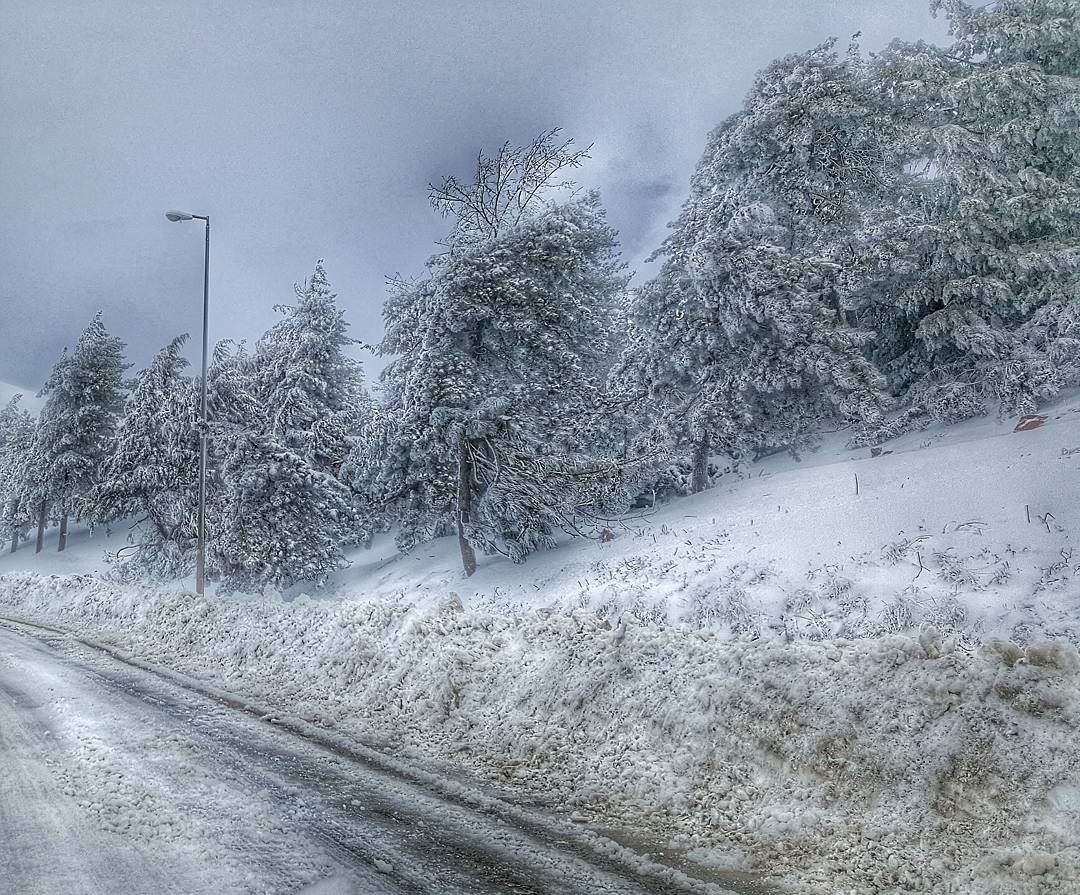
(701, 464)
(63, 534)
(14, 527)
(43, 512)
(464, 507)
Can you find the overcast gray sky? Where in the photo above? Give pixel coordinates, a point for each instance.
(310, 129)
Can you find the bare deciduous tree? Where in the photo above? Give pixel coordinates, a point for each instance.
(505, 185)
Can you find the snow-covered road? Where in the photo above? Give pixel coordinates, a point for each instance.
(114, 778)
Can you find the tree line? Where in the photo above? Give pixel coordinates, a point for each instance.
(873, 241)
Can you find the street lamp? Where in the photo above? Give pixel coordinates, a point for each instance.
(204, 432)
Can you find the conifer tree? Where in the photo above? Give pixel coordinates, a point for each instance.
(84, 400)
(312, 390)
(16, 440)
(743, 342)
(281, 520)
(152, 472)
(981, 303)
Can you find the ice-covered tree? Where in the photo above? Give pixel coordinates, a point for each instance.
(981, 304)
(151, 474)
(83, 403)
(232, 405)
(16, 440)
(743, 342)
(498, 354)
(312, 390)
(281, 521)
(276, 516)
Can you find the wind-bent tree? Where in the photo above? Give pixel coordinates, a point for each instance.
(499, 351)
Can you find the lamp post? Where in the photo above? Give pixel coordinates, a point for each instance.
(204, 432)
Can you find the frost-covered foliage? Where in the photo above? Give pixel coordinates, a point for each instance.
(283, 420)
(280, 520)
(151, 474)
(311, 390)
(980, 302)
(668, 478)
(742, 342)
(16, 439)
(892, 231)
(84, 402)
(499, 352)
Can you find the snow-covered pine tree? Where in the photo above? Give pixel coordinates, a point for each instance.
(16, 440)
(982, 301)
(274, 518)
(743, 343)
(152, 471)
(281, 520)
(498, 352)
(84, 400)
(232, 406)
(312, 390)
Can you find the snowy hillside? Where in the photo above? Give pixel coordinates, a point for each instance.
(917, 735)
(970, 528)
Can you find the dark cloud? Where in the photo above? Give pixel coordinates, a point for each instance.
(310, 129)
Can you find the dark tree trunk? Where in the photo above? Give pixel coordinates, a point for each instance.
(63, 534)
(14, 527)
(464, 507)
(701, 464)
(43, 512)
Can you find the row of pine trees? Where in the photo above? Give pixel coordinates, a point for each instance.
(872, 242)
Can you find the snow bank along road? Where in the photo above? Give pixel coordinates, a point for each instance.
(119, 779)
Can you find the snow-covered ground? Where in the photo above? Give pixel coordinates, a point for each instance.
(122, 779)
(857, 673)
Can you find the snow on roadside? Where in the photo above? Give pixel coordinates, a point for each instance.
(839, 683)
(897, 763)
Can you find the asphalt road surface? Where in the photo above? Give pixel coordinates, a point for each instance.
(116, 778)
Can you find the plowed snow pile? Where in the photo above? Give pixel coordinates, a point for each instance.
(888, 764)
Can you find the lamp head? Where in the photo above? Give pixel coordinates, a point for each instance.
(175, 216)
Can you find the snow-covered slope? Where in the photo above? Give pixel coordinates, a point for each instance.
(859, 689)
(969, 527)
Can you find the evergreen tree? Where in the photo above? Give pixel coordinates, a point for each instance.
(16, 440)
(312, 390)
(743, 342)
(981, 302)
(152, 471)
(232, 405)
(281, 520)
(275, 517)
(75, 430)
(498, 355)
